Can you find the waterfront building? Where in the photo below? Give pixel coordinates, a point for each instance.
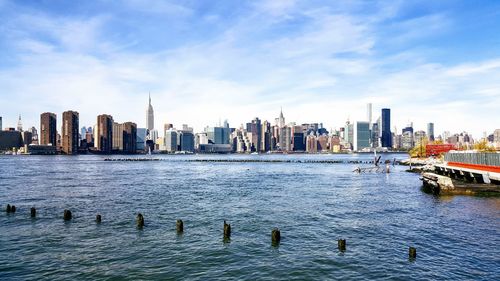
(150, 118)
(141, 137)
(48, 130)
(298, 139)
(103, 135)
(70, 137)
(430, 131)
(117, 137)
(369, 115)
(185, 141)
(361, 135)
(170, 140)
(386, 138)
(218, 134)
(322, 143)
(129, 137)
(10, 139)
(311, 144)
(334, 144)
(27, 137)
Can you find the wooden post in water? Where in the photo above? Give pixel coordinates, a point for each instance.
(342, 245)
(67, 215)
(9, 208)
(140, 220)
(33, 212)
(98, 218)
(13, 209)
(275, 236)
(412, 253)
(179, 224)
(227, 230)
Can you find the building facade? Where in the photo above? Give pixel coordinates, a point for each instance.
(386, 136)
(48, 129)
(103, 135)
(70, 135)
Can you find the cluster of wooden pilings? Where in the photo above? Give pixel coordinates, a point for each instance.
(179, 225)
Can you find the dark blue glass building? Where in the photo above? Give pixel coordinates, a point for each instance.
(386, 137)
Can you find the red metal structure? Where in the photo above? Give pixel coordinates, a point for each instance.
(436, 149)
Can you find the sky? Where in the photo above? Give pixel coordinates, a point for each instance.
(206, 61)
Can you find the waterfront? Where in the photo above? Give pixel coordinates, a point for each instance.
(313, 204)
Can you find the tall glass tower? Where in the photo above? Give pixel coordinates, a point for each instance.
(386, 138)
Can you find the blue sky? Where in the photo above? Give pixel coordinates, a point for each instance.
(322, 61)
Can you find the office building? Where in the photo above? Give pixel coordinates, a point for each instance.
(150, 118)
(407, 141)
(117, 137)
(170, 140)
(1, 128)
(70, 135)
(103, 135)
(386, 137)
(255, 128)
(430, 131)
(48, 129)
(185, 141)
(142, 134)
(129, 137)
(361, 135)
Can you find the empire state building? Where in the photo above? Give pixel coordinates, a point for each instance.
(150, 118)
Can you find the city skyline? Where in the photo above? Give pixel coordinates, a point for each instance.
(238, 61)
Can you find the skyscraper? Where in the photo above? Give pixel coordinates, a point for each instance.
(20, 124)
(150, 118)
(369, 113)
(129, 137)
(386, 138)
(103, 135)
(48, 130)
(1, 123)
(70, 137)
(361, 135)
(430, 131)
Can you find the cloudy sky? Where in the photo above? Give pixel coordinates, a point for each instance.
(205, 61)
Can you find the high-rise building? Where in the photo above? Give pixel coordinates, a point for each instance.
(386, 138)
(1, 123)
(70, 136)
(142, 134)
(361, 135)
(280, 121)
(266, 137)
(407, 141)
(83, 132)
(430, 131)
(255, 128)
(103, 135)
(129, 137)
(170, 140)
(150, 118)
(369, 113)
(48, 130)
(19, 124)
(186, 141)
(34, 135)
(311, 144)
(117, 136)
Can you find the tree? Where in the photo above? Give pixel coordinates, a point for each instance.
(483, 146)
(419, 150)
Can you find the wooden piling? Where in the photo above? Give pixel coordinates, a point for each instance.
(13, 209)
(180, 226)
(227, 230)
(33, 212)
(275, 236)
(98, 218)
(342, 245)
(140, 220)
(9, 208)
(67, 215)
(412, 253)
